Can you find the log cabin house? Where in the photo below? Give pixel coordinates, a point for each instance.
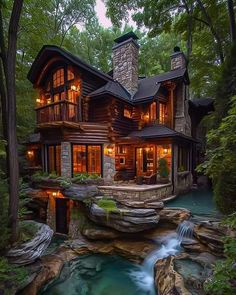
(117, 125)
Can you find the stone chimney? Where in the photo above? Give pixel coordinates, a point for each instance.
(178, 59)
(125, 61)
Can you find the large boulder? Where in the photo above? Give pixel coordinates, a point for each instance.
(173, 216)
(29, 251)
(124, 220)
(81, 192)
(211, 234)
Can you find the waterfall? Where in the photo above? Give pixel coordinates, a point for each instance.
(170, 245)
(185, 230)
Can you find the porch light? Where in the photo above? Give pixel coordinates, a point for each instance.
(75, 88)
(165, 150)
(38, 100)
(55, 194)
(109, 149)
(30, 154)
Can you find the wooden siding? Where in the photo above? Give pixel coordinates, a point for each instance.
(86, 133)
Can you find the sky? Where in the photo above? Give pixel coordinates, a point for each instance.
(101, 13)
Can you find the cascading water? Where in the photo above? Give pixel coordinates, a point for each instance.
(185, 230)
(170, 245)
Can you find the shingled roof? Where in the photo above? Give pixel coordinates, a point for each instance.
(157, 131)
(48, 51)
(147, 87)
(112, 88)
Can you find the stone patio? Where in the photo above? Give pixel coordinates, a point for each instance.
(138, 193)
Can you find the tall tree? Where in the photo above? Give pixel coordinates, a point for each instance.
(8, 63)
(232, 20)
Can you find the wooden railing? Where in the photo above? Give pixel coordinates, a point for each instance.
(58, 111)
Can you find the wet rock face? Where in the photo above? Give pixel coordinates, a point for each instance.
(30, 251)
(128, 220)
(183, 274)
(211, 234)
(174, 216)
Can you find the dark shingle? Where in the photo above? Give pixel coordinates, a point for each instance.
(113, 88)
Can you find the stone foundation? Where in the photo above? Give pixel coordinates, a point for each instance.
(184, 182)
(137, 193)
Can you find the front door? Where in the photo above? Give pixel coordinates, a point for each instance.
(61, 216)
(144, 160)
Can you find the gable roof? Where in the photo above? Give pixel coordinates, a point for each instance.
(147, 87)
(113, 88)
(47, 51)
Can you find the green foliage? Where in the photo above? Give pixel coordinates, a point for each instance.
(11, 276)
(163, 168)
(223, 280)
(108, 205)
(83, 178)
(220, 165)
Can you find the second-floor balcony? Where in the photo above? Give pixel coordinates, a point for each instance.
(58, 111)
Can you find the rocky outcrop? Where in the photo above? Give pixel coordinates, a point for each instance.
(183, 274)
(81, 192)
(167, 280)
(28, 252)
(173, 216)
(125, 220)
(211, 234)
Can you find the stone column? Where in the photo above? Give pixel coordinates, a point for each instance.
(66, 169)
(109, 169)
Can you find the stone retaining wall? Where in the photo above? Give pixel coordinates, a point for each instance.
(137, 194)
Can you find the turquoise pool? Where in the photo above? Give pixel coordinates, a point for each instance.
(199, 202)
(97, 275)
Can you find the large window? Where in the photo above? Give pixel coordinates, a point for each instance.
(54, 159)
(153, 111)
(61, 85)
(87, 158)
(183, 159)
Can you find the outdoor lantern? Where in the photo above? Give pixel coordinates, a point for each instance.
(165, 149)
(30, 154)
(109, 149)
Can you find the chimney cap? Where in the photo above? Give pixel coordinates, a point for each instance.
(177, 49)
(125, 37)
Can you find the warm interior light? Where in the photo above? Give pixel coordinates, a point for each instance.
(30, 154)
(75, 88)
(48, 100)
(110, 149)
(38, 100)
(165, 149)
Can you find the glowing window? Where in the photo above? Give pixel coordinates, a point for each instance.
(162, 113)
(70, 75)
(58, 78)
(127, 112)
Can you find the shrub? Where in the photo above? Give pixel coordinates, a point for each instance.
(223, 280)
(11, 276)
(163, 168)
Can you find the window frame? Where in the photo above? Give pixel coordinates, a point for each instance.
(86, 151)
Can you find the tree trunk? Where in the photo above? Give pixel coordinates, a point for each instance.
(232, 20)
(11, 124)
(213, 31)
